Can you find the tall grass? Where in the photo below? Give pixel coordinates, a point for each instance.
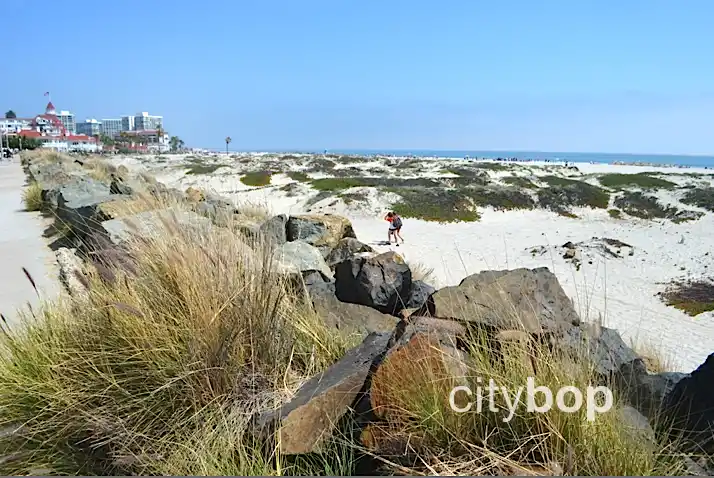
(32, 197)
(199, 328)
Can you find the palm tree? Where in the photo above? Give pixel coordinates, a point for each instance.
(159, 134)
(174, 143)
(228, 140)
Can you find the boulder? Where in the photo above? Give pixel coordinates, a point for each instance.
(79, 205)
(322, 231)
(118, 186)
(346, 248)
(601, 345)
(688, 410)
(151, 223)
(646, 392)
(382, 282)
(528, 299)
(71, 271)
(418, 294)
(299, 257)
(274, 230)
(351, 319)
(310, 418)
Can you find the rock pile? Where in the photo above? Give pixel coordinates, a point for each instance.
(401, 321)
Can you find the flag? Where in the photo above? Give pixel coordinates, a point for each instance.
(47, 93)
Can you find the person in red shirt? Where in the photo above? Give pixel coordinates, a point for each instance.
(395, 227)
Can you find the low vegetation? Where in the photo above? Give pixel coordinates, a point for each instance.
(437, 205)
(640, 180)
(167, 364)
(500, 198)
(32, 197)
(700, 197)
(298, 176)
(692, 297)
(563, 193)
(615, 213)
(638, 204)
(340, 184)
(256, 178)
(520, 182)
(202, 168)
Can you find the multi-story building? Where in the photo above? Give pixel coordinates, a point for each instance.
(148, 140)
(68, 122)
(111, 127)
(14, 125)
(90, 127)
(127, 123)
(51, 132)
(144, 121)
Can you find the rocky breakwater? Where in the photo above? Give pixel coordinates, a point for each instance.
(411, 336)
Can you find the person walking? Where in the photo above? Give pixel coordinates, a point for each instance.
(395, 227)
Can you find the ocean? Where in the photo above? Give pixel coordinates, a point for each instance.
(607, 158)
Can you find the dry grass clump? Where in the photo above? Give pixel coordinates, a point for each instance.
(421, 434)
(196, 327)
(421, 272)
(32, 197)
(100, 169)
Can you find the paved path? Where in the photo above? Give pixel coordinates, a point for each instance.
(22, 245)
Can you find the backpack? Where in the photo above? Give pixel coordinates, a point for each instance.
(397, 222)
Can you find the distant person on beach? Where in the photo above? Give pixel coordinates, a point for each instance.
(395, 227)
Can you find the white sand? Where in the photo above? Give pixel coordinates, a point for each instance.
(618, 291)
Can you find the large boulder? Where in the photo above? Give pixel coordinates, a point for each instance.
(79, 205)
(351, 319)
(382, 282)
(419, 294)
(149, 224)
(322, 231)
(321, 405)
(299, 258)
(274, 230)
(689, 410)
(346, 248)
(528, 299)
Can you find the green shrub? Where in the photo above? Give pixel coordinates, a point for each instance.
(500, 198)
(520, 182)
(700, 197)
(298, 176)
(637, 204)
(256, 178)
(436, 204)
(693, 297)
(564, 193)
(339, 184)
(641, 180)
(614, 213)
(203, 168)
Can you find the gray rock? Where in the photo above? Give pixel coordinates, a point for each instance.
(346, 248)
(78, 205)
(644, 391)
(689, 410)
(419, 294)
(311, 417)
(352, 319)
(151, 223)
(603, 346)
(70, 267)
(382, 282)
(318, 285)
(529, 299)
(322, 231)
(274, 230)
(298, 257)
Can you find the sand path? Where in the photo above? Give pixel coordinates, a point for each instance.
(22, 245)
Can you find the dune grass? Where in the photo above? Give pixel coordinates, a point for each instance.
(421, 434)
(32, 197)
(126, 379)
(700, 197)
(691, 297)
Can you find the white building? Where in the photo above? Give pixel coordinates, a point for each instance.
(90, 127)
(51, 132)
(14, 125)
(144, 121)
(127, 123)
(111, 127)
(68, 121)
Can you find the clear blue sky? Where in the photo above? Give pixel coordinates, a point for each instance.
(586, 75)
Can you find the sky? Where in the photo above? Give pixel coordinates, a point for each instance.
(632, 76)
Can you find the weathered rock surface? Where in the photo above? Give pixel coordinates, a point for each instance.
(689, 410)
(150, 223)
(419, 293)
(322, 231)
(299, 257)
(382, 282)
(70, 267)
(352, 319)
(274, 230)
(529, 299)
(345, 249)
(318, 407)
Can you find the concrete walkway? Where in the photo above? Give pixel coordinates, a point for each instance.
(22, 245)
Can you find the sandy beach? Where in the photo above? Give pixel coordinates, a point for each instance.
(617, 285)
